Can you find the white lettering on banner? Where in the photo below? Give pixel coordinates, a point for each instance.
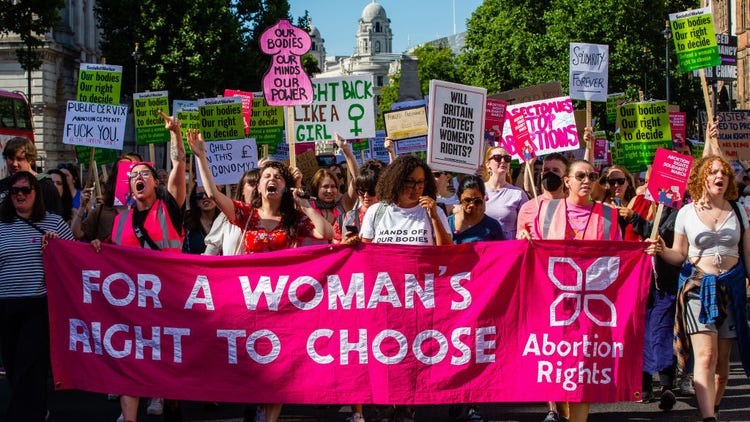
(586, 375)
(233, 337)
(599, 275)
(201, 285)
(85, 336)
(584, 347)
(142, 290)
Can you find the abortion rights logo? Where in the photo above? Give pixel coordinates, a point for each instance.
(583, 296)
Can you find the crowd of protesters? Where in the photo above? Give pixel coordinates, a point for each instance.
(698, 288)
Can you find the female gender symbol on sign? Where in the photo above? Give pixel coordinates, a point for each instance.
(286, 83)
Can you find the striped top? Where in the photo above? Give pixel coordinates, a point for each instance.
(21, 267)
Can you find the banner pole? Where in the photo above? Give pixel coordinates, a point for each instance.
(656, 220)
(709, 109)
(290, 135)
(528, 174)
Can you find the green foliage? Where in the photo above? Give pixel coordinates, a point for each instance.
(30, 20)
(435, 63)
(388, 95)
(192, 49)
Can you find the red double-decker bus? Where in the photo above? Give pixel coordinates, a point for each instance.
(15, 120)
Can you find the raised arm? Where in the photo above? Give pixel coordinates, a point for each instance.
(588, 138)
(388, 145)
(323, 229)
(176, 183)
(198, 146)
(352, 167)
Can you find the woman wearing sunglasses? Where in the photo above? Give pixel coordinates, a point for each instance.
(619, 188)
(24, 323)
(469, 222)
(346, 228)
(503, 199)
(198, 221)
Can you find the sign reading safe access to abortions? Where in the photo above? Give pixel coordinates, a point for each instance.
(455, 141)
(343, 105)
(286, 83)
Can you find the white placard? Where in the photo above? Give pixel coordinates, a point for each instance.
(228, 160)
(589, 65)
(551, 123)
(95, 125)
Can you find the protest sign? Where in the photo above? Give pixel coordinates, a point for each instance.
(643, 127)
(601, 148)
(247, 104)
(286, 83)
(334, 324)
(530, 93)
(520, 130)
(734, 134)
(229, 160)
(589, 66)
(123, 197)
(343, 105)
(377, 147)
(694, 39)
(267, 123)
(455, 140)
(551, 123)
(189, 117)
(281, 152)
(678, 127)
(614, 100)
(99, 83)
(493, 121)
(95, 125)
(406, 123)
(669, 177)
(221, 118)
(727, 70)
(149, 126)
(101, 155)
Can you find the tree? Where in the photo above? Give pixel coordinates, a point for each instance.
(388, 95)
(30, 20)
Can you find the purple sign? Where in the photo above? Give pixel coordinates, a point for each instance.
(286, 83)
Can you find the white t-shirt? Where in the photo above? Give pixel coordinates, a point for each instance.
(702, 241)
(404, 226)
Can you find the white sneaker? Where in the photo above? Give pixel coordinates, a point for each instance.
(121, 418)
(155, 407)
(356, 418)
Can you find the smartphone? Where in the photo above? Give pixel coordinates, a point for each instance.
(352, 229)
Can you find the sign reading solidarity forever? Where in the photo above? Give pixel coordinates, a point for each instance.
(589, 65)
(286, 83)
(695, 39)
(456, 137)
(334, 324)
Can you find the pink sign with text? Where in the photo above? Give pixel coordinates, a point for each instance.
(286, 83)
(247, 105)
(669, 177)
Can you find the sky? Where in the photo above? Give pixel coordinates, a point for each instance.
(413, 22)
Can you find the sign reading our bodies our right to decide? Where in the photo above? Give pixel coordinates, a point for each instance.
(99, 83)
(221, 118)
(95, 125)
(456, 136)
(643, 127)
(694, 39)
(149, 126)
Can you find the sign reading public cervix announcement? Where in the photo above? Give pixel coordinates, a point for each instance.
(99, 83)
(589, 66)
(149, 126)
(643, 127)
(551, 122)
(734, 134)
(455, 141)
(343, 105)
(95, 125)
(286, 83)
(694, 39)
(221, 118)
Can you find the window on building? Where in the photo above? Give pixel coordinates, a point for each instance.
(378, 28)
(380, 81)
(377, 46)
(314, 47)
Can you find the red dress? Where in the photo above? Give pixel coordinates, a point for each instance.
(257, 239)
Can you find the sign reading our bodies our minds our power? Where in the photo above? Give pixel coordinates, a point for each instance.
(589, 64)
(149, 126)
(694, 39)
(343, 105)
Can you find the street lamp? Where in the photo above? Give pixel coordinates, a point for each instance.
(667, 32)
(645, 56)
(137, 58)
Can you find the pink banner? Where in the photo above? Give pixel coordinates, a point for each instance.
(483, 322)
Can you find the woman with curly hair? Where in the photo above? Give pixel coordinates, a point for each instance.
(224, 237)
(711, 300)
(407, 192)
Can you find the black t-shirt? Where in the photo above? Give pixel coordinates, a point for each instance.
(175, 212)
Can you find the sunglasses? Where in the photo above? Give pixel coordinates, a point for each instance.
(363, 192)
(581, 175)
(411, 184)
(501, 157)
(615, 181)
(145, 174)
(15, 190)
(476, 201)
(200, 195)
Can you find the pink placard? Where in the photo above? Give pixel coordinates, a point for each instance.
(669, 177)
(524, 148)
(375, 323)
(247, 105)
(122, 184)
(286, 83)
(678, 126)
(493, 121)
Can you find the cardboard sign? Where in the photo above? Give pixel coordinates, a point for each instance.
(229, 160)
(678, 126)
(643, 127)
(669, 177)
(456, 127)
(530, 93)
(99, 83)
(551, 124)
(406, 123)
(520, 130)
(189, 117)
(286, 83)
(494, 119)
(614, 100)
(149, 126)
(694, 39)
(221, 118)
(95, 125)
(247, 104)
(343, 105)
(734, 134)
(589, 67)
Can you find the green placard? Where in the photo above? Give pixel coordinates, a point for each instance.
(612, 106)
(101, 155)
(266, 124)
(99, 83)
(361, 144)
(643, 127)
(221, 118)
(149, 126)
(694, 39)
